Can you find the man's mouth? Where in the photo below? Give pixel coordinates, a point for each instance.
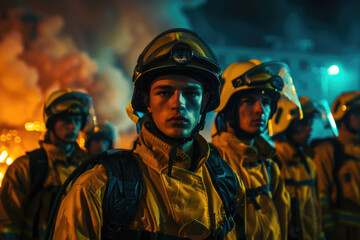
(178, 120)
(259, 121)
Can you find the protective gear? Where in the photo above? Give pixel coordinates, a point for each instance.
(176, 51)
(174, 215)
(272, 79)
(100, 131)
(327, 121)
(338, 167)
(18, 213)
(300, 176)
(287, 111)
(67, 101)
(268, 202)
(344, 103)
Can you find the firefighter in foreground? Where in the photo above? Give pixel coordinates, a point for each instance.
(99, 138)
(32, 181)
(168, 186)
(338, 163)
(248, 99)
(291, 135)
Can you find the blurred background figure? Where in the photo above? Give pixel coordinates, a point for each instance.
(32, 181)
(337, 161)
(290, 128)
(99, 138)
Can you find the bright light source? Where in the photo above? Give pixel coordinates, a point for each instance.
(333, 70)
(9, 161)
(3, 155)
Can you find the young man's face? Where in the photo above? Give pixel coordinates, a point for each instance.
(302, 131)
(98, 145)
(354, 120)
(254, 112)
(67, 128)
(175, 103)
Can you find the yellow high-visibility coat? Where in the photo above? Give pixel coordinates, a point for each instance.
(267, 211)
(340, 188)
(183, 205)
(19, 213)
(300, 175)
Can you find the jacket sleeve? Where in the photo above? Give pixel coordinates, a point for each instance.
(324, 160)
(281, 199)
(80, 212)
(14, 198)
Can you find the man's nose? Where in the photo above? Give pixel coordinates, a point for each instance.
(259, 106)
(178, 100)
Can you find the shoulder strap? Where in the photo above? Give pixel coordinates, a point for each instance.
(123, 193)
(38, 171)
(226, 184)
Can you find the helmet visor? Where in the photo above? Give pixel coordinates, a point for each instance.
(326, 118)
(271, 75)
(73, 103)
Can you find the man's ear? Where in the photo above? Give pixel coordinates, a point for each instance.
(146, 100)
(206, 99)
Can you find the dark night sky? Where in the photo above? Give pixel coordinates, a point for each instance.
(333, 25)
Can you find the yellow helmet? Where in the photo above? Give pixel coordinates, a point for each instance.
(288, 111)
(344, 103)
(176, 51)
(67, 101)
(102, 130)
(271, 78)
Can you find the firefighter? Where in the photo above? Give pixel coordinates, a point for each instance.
(291, 134)
(32, 181)
(99, 138)
(248, 99)
(337, 161)
(170, 186)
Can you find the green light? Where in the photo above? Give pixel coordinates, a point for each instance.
(333, 70)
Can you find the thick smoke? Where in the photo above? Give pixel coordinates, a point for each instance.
(89, 45)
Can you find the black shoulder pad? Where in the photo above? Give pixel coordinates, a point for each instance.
(38, 171)
(123, 193)
(224, 180)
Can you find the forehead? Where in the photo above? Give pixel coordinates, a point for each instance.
(254, 95)
(176, 81)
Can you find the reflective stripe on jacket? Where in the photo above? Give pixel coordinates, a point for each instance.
(17, 213)
(271, 219)
(300, 177)
(184, 205)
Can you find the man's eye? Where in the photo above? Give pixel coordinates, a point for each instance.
(266, 102)
(162, 93)
(193, 93)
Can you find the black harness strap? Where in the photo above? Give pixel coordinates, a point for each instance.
(293, 182)
(254, 192)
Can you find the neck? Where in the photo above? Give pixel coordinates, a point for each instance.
(248, 140)
(66, 148)
(188, 148)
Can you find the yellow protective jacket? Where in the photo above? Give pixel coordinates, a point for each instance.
(340, 189)
(184, 205)
(267, 213)
(300, 175)
(18, 213)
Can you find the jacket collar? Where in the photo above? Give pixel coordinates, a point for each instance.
(55, 154)
(347, 137)
(154, 152)
(262, 149)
